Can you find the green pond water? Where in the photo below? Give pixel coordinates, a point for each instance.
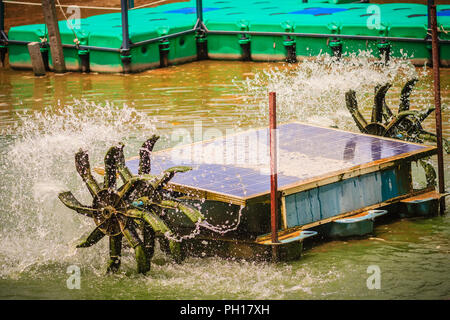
(44, 121)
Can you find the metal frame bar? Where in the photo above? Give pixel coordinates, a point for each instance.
(82, 47)
(311, 35)
(320, 35)
(153, 40)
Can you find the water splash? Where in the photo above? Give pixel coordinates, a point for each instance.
(49, 140)
(38, 163)
(313, 91)
(238, 279)
(38, 234)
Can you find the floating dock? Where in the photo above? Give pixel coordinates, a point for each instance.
(253, 30)
(330, 182)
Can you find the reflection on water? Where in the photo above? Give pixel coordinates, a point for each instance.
(38, 235)
(196, 91)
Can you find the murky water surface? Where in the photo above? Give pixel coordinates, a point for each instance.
(44, 121)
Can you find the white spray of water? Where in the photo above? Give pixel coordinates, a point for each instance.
(313, 91)
(35, 227)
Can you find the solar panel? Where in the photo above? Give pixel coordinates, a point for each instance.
(238, 165)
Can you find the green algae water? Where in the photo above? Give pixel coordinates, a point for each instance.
(44, 121)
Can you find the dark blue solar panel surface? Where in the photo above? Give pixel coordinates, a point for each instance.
(229, 173)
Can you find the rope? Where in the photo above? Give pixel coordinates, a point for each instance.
(60, 5)
(76, 40)
(83, 7)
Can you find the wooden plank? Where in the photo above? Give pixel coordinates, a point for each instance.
(283, 212)
(351, 213)
(54, 38)
(36, 59)
(429, 195)
(372, 207)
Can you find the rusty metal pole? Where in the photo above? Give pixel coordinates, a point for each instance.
(437, 103)
(54, 38)
(273, 173)
(3, 46)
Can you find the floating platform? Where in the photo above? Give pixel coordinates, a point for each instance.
(325, 177)
(423, 205)
(356, 225)
(253, 30)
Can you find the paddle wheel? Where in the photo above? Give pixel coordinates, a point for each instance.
(405, 125)
(137, 210)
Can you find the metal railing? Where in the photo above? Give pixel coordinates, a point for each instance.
(199, 27)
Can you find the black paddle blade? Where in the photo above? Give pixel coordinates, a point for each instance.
(115, 252)
(378, 104)
(406, 93)
(92, 239)
(69, 200)
(145, 154)
(124, 172)
(84, 170)
(352, 106)
(111, 160)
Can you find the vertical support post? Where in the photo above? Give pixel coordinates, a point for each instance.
(164, 47)
(2, 18)
(437, 103)
(428, 36)
(291, 51)
(56, 49)
(2, 33)
(125, 50)
(200, 35)
(125, 33)
(199, 8)
(36, 59)
(385, 50)
(336, 47)
(244, 42)
(429, 4)
(273, 173)
(130, 4)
